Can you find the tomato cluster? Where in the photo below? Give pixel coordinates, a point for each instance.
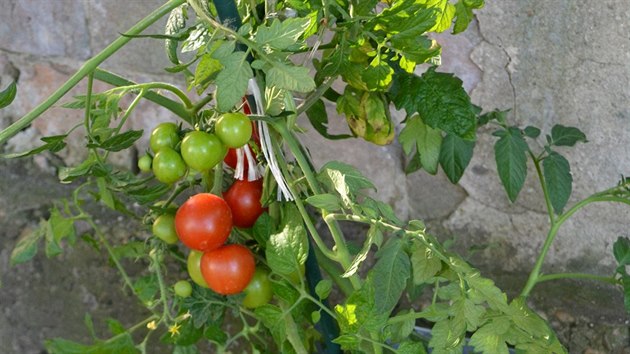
(204, 222)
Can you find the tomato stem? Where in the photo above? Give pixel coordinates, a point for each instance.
(586, 276)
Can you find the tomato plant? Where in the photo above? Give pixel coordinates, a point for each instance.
(243, 197)
(202, 151)
(258, 292)
(203, 222)
(234, 129)
(228, 269)
(251, 56)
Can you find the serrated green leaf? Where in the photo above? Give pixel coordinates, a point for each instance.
(58, 228)
(121, 141)
(8, 95)
(411, 347)
(146, 288)
(207, 69)
(621, 250)
(287, 249)
(448, 335)
(353, 180)
(53, 143)
(455, 155)
(280, 35)
(328, 202)
(121, 344)
(392, 271)
(473, 314)
(347, 342)
(429, 144)
(69, 174)
(439, 98)
(484, 290)
(174, 24)
(272, 317)
(464, 14)
(400, 330)
(445, 15)
(425, 264)
(378, 75)
(290, 77)
(26, 247)
(558, 179)
(566, 136)
(196, 39)
(232, 81)
(374, 236)
(205, 306)
(486, 340)
(323, 288)
(262, 229)
(511, 159)
(214, 333)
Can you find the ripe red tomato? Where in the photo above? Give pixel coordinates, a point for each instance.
(203, 222)
(228, 269)
(243, 197)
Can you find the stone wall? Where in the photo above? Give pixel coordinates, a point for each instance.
(561, 62)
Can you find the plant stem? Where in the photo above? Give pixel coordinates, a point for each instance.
(555, 276)
(534, 276)
(341, 250)
(543, 185)
(87, 68)
(116, 80)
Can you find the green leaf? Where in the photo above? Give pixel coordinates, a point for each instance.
(439, 98)
(52, 143)
(188, 334)
(473, 314)
(232, 81)
(272, 317)
(121, 141)
(189, 349)
(566, 136)
(58, 228)
(464, 14)
(366, 115)
(146, 288)
(621, 250)
(400, 330)
(425, 263)
(328, 202)
(323, 288)
(410, 347)
(207, 69)
(455, 155)
(174, 24)
(510, 154)
(625, 281)
(214, 333)
(318, 117)
(340, 176)
(69, 174)
(374, 236)
(558, 179)
(378, 75)
(205, 306)
(448, 335)
(428, 142)
(484, 290)
(486, 340)
(262, 229)
(121, 344)
(391, 271)
(282, 35)
(8, 95)
(26, 247)
(288, 249)
(531, 132)
(445, 16)
(347, 342)
(290, 77)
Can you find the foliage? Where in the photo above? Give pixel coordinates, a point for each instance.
(375, 49)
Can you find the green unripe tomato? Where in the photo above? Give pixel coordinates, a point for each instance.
(164, 135)
(234, 129)
(202, 151)
(258, 292)
(193, 265)
(144, 163)
(168, 166)
(164, 228)
(182, 288)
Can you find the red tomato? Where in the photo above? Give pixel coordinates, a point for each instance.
(203, 222)
(243, 197)
(228, 269)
